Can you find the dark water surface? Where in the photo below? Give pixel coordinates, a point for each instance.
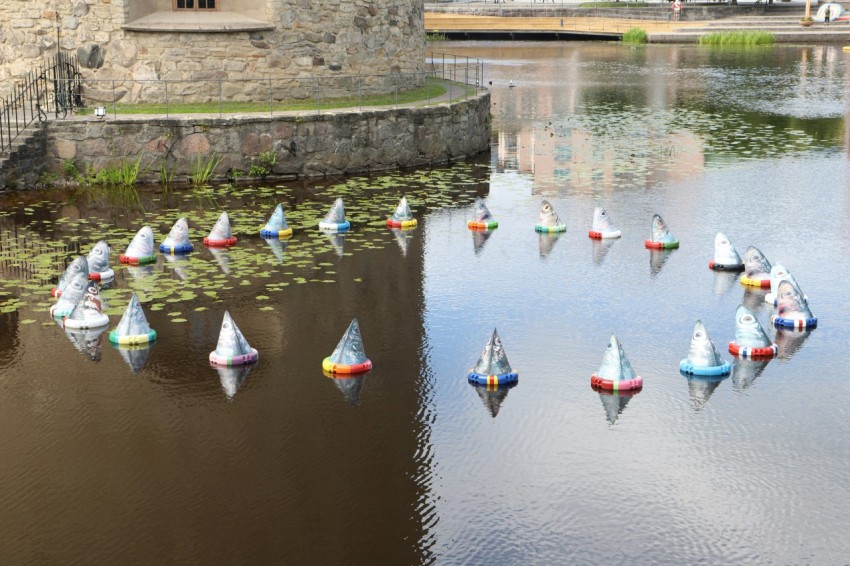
(154, 457)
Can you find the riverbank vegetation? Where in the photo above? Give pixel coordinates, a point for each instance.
(741, 37)
(635, 35)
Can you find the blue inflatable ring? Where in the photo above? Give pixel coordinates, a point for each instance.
(176, 250)
(687, 367)
(501, 379)
(335, 227)
(794, 323)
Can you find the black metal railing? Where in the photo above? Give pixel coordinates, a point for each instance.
(56, 87)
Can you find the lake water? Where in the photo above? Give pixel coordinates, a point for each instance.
(152, 456)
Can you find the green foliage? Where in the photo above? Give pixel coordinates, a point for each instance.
(204, 168)
(262, 165)
(166, 175)
(635, 35)
(70, 169)
(435, 35)
(47, 178)
(124, 173)
(740, 37)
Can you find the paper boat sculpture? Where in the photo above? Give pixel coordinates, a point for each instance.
(177, 241)
(89, 311)
(493, 367)
(232, 348)
(756, 269)
(750, 341)
(334, 220)
(703, 358)
(79, 265)
(792, 308)
(481, 217)
(660, 237)
(140, 250)
(276, 227)
(220, 235)
(133, 328)
(549, 221)
(602, 226)
(71, 295)
(402, 217)
(616, 373)
(726, 257)
(348, 357)
(98, 260)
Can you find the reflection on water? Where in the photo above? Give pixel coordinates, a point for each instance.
(790, 341)
(222, 256)
(402, 238)
(657, 259)
(745, 372)
(701, 388)
(87, 341)
(546, 242)
(232, 377)
(479, 238)
(600, 249)
(278, 248)
(350, 386)
(135, 356)
(723, 281)
(493, 395)
(614, 402)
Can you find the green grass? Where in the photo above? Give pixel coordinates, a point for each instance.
(745, 38)
(635, 35)
(433, 88)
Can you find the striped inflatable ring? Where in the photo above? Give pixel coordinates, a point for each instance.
(762, 283)
(649, 244)
(132, 339)
(334, 368)
(279, 234)
(176, 250)
(403, 224)
(95, 322)
(143, 260)
(604, 235)
(687, 367)
(550, 229)
(492, 380)
(219, 243)
(794, 323)
(216, 360)
(611, 385)
(725, 266)
(473, 225)
(102, 275)
(335, 227)
(753, 353)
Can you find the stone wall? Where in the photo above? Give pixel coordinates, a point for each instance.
(331, 143)
(281, 39)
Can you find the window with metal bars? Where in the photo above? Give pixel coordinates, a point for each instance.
(194, 5)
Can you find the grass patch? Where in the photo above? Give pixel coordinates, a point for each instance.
(745, 38)
(635, 35)
(431, 89)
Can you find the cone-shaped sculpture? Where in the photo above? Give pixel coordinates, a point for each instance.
(88, 342)
(756, 269)
(602, 227)
(220, 236)
(232, 348)
(778, 273)
(703, 358)
(133, 328)
(481, 217)
(89, 311)
(726, 257)
(276, 227)
(493, 367)
(660, 237)
(750, 341)
(177, 241)
(334, 220)
(549, 222)
(78, 265)
(349, 356)
(140, 250)
(98, 260)
(792, 308)
(402, 217)
(232, 378)
(73, 292)
(492, 396)
(616, 372)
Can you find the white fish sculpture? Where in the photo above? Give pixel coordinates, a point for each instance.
(660, 237)
(493, 367)
(726, 257)
(602, 227)
(616, 372)
(232, 348)
(482, 219)
(402, 216)
(792, 308)
(74, 291)
(133, 328)
(98, 260)
(756, 269)
(778, 273)
(89, 311)
(140, 250)
(220, 235)
(177, 241)
(78, 265)
(549, 221)
(348, 357)
(703, 358)
(751, 341)
(334, 220)
(276, 227)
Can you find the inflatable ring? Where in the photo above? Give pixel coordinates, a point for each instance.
(794, 323)
(335, 369)
(753, 353)
(335, 227)
(593, 234)
(176, 250)
(550, 229)
(491, 380)
(94, 322)
(60, 314)
(473, 225)
(403, 224)
(102, 275)
(55, 292)
(132, 339)
(725, 266)
(611, 385)
(145, 259)
(279, 234)
(219, 243)
(216, 360)
(687, 367)
(762, 283)
(649, 244)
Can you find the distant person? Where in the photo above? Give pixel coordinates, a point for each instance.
(677, 9)
(826, 15)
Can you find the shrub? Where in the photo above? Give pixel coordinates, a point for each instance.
(635, 35)
(741, 37)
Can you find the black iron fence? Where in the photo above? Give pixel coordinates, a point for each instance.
(56, 88)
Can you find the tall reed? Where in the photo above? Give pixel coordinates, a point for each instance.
(204, 168)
